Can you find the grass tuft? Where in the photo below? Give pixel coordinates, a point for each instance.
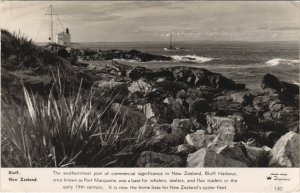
(62, 131)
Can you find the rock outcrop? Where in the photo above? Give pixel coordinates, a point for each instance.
(286, 151)
(209, 158)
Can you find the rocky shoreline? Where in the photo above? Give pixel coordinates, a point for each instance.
(185, 117)
(196, 118)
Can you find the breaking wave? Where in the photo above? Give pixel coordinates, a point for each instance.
(280, 61)
(191, 58)
(297, 83)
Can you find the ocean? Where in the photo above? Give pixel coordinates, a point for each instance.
(244, 62)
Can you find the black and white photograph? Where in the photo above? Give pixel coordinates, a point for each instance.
(136, 84)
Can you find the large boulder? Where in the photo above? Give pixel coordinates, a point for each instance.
(200, 76)
(198, 139)
(111, 87)
(182, 74)
(219, 142)
(290, 88)
(173, 109)
(234, 151)
(262, 102)
(286, 151)
(163, 136)
(153, 159)
(208, 158)
(151, 110)
(271, 81)
(141, 86)
(232, 127)
(242, 97)
(154, 131)
(184, 124)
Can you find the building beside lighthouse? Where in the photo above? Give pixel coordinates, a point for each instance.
(64, 38)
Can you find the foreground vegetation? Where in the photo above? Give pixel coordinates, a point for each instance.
(58, 128)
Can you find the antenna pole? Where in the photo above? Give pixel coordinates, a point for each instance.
(51, 25)
(171, 40)
(51, 15)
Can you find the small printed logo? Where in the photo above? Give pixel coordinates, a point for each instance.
(269, 177)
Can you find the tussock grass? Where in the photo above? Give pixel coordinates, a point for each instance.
(17, 47)
(62, 131)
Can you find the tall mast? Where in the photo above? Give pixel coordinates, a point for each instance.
(51, 16)
(51, 25)
(171, 40)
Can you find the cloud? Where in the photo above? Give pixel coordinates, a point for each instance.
(291, 28)
(153, 20)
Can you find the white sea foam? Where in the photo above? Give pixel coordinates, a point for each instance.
(297, 83)
(191, 58)
(279, 61)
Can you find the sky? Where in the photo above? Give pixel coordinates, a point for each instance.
(143, 21)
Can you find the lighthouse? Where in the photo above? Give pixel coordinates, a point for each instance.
(64, 38)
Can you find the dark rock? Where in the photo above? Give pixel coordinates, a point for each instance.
(258, 156)
(136, 72)
(200, 105)
(286, 151)
(153, 159)
(181, 73)
(173, 109)
(290, 88)
(226, 107)
(142, 72)
(271, 81)
(234, 151)
(265, 138)
(283, 121)
(199, 76)
(205, 92)
(209, 158)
